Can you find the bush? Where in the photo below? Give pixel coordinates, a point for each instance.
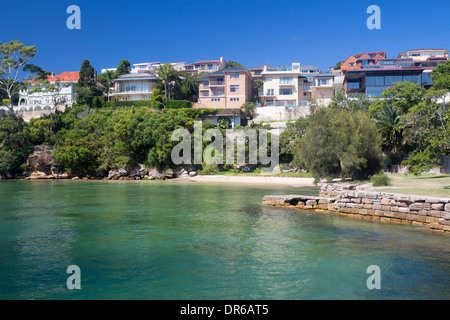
(380, 180)
(178, 104)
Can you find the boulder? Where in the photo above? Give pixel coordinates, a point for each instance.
(156, 174)
(169, 174)
(40, 163)
(192, 173)
(115, 174)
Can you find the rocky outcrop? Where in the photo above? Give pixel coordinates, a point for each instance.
(359, 202)
(40, 165)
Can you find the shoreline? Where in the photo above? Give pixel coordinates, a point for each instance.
(209, 179)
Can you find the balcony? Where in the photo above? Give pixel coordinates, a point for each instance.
(217, 83)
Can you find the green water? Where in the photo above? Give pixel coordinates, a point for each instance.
(145, 240)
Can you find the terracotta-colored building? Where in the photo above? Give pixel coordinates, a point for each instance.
(227, 88)
(357, 61)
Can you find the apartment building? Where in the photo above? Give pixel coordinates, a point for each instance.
(282, 88)
(257, 72)
(207, 66)
(359, 60)
(150, 67)
(227, 88)
(424, 54)
(134, 86)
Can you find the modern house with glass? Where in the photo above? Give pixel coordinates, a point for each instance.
(360, 60)
(134, 86)
(373, 80)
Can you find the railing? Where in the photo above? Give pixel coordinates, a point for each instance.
(217, 83)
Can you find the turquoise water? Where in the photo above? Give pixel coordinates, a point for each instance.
(145, 240)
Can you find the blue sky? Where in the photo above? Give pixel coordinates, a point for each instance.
(252, 32)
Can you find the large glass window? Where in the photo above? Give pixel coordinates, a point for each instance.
(285, 80)
(375, 80)
(412, 78)
(286, 92)
(134, 87)
(353, 85)
(375, 91)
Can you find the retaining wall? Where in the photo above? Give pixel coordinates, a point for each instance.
(359, 202)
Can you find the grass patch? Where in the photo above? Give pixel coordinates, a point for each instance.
(380, 180)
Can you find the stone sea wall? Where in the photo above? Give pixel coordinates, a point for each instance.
(360, 202)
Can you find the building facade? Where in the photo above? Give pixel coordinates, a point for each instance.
(207, 66)
(227, 88)
(62, 94)
(282, 88)
(424, 54)
(359, 60)
(133, 86)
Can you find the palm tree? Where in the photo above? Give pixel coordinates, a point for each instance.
(390, 124)
(167, 74)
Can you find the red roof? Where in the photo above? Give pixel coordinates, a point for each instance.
(69, 76)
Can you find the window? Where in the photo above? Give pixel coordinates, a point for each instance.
(351, 64)
(257, 72)
(234, 99)
(285, 80)
(234, 75)
(134, 87)
(353, 85)
(234, 88)
(323, 82)
(215, 99)
(210, 66)
(268, 79)
(202, 67)
(269, 92)
(291, 104)
(286, 92)
(375, 80)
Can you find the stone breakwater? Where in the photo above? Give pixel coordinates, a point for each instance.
(359, 202)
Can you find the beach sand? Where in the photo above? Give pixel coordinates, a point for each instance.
(252, 180)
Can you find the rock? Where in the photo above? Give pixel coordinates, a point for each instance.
(192, 173)
(437, 206)
(156, 174)
(447, 207)
(277, 169)
(169, 173)
(115, 174)
(75, 178)
(40, 162)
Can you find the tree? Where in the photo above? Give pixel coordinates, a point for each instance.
(339, 144)
(403, 95)
(87, 88)
(338, 65)
(341, 101)
(168, 75)
(106, 79)
(390, 123)
(13, 58)
(231, 64)
(249, 109)
(123, 68)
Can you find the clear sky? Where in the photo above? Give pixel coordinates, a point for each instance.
(252, 32)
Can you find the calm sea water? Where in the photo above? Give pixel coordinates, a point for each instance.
(149, 240)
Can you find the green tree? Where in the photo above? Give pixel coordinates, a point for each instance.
(390, 123)
(87, 88)
(13, 58)
(124, 67)
(249, 109)
(339, 144)
(168, 76)
(231, 64)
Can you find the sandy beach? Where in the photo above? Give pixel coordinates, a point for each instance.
(252, 180)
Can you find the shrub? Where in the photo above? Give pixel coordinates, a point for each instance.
(178, 104)
(380, 180)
